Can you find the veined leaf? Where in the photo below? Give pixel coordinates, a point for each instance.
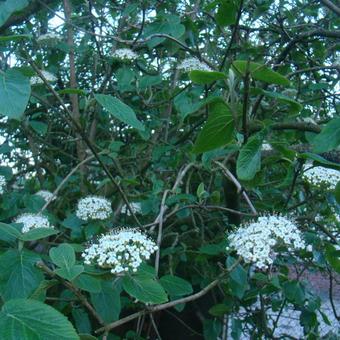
(260, 72)
(119, 110)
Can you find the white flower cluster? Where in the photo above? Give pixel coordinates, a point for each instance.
(321, 177)
(122, 251)
(48, 37)
(2, 184)
(46, 195)
(94, 208)
(255, 242)
(135, 206)
(36, 80)
(125, 54)
(192, 64)
(266, 147)
(33, 221)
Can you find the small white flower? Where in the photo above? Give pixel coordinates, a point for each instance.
(321, 177)
(123, 250)
(2, 184)
(192, 64)
(46, 195)
(255, 242)
(136, 208)
(266, 147)
(48, 37)
(33, 221)
(124, 54)
(36, 80)
(94, 208)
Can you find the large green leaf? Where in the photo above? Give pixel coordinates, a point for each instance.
(38, 233)
(295, 107)
(260, 72)
(8, 7)
(249, 158)
(19, 276)
(8, 233)
(333, 257)
(33, 320)
(15, 91)
(238, 278)
(218, 130)
(64, 257)
(88, 283)
(329, 138)
(175, 286)
(205, 77)
(119, 110)
(226, 13)
(107, 302)
(337, 192)
(145, 289)
(169, 24)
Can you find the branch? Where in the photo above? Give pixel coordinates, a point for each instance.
(238, 186)
(334, 8)
(170, 304)
(74, 124)
(17, 19)
(74, 289)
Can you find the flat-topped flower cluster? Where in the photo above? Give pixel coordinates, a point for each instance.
(48, 76)
(47, 37)
(256, 242)
(124, 54)
(33, 221)
(122, 251)
(321, 177)
(193, 64)
(2, 184)
(46, 195)
(93, 208)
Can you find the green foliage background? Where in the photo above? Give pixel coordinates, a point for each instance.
(146, 132)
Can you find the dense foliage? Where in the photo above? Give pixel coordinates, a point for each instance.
(169, 169)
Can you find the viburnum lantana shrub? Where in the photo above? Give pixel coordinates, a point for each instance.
(169, 170)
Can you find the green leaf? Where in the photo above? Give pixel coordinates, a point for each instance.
(205, 77)
(8, 233)
(329, 137)
(260, 72)
(63, 255)
(319, 159)
(119, 110)
(88, 283)
(14, 37)
(219, 310)
(38, 233)
(294, 292)
(218, 130)
(33, 320)
(238, 279)
(337, 192)
(249, 158)
(145, 289)
(226, 13)
(107, 302)
(18, 274)
(15, 91)
(8, 7)
(333, 257)
(39, 127)
(70, 273)
(175, 286)
(295, 107)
